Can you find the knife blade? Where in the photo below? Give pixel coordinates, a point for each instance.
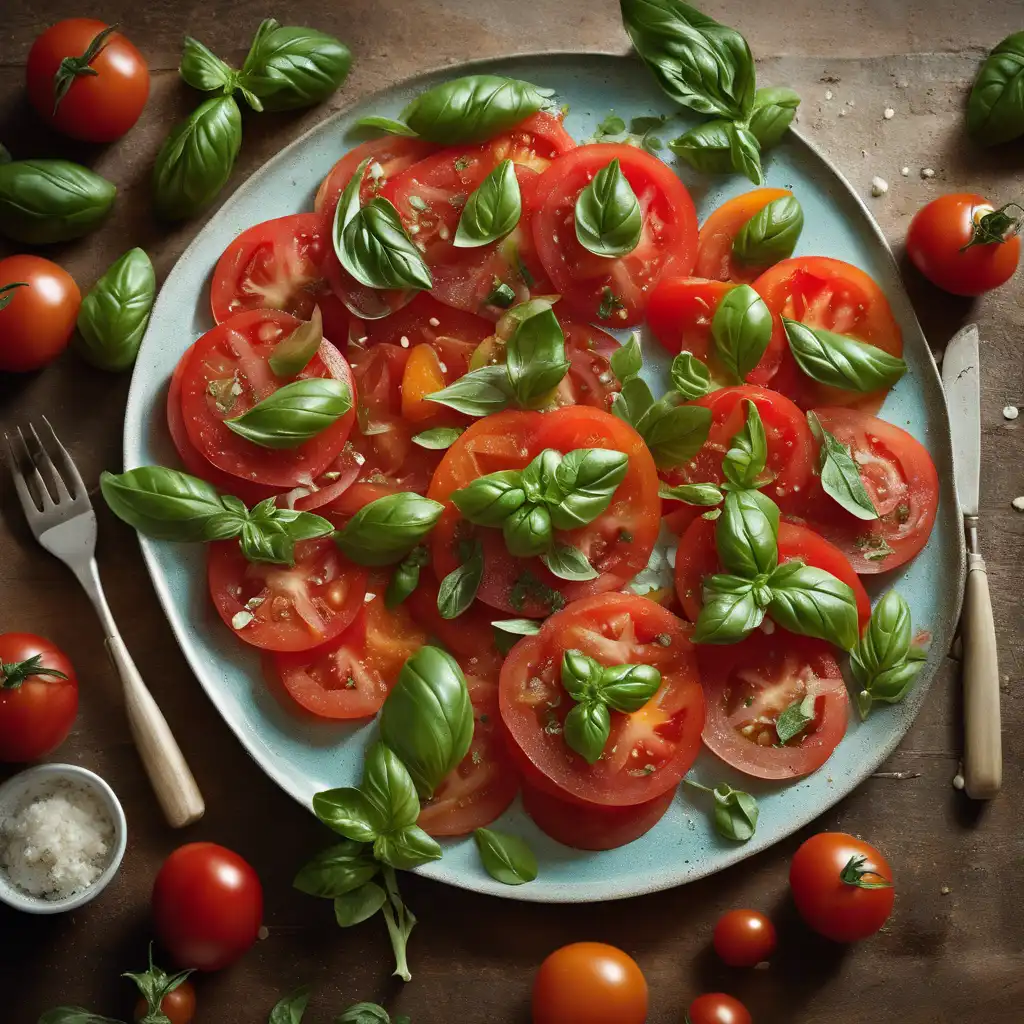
(960, 379)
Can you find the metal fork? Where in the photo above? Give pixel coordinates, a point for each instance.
(62, 519)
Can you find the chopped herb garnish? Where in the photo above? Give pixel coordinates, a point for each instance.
(663, 640)
(609, 303)
(527, 586)
(625, 537)
(902, 514)
(462, 163)
(873, 547)
(501, 295)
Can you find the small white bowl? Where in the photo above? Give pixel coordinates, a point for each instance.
(40, 781)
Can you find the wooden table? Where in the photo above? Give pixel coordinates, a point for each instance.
(954, 949)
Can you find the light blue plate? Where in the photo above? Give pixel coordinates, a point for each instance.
(304, 759)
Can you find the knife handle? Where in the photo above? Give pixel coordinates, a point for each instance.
(983, 757)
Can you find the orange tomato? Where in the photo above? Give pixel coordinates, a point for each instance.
(423, 376)
(589, 983)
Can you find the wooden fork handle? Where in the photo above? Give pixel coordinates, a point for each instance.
(172, 780)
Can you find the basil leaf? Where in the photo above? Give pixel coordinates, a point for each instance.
(389, 789)
(586, 729)
(690, 377)
(633, 402)
(698, 62)
(692, 494)
(458, 589)
(477, 393)
(771, 234)
(45, 201)
(892, 685)
(376, 250)
(113, 316)
(674, 433)
(197, 158)
(535, 358)
(842, 362)
(706, 147)
(490, 500)
(272, 538)
(290, 67)
(472, 109)
(201, 68)
(386, 124)
(795, 718)
(365, 1013)
(736, 813)
(812, 602)
(294, 414)
(406, 849)
(581, 675)
(995, 110)
(627, 361)
(730, 612)
(438, 438)
(292, 354)
(611, 125)
(406, 577)
(427, 719)
(512, 318)
(745, 153)
(539, 478)
(505, 858)
(569, 563)
(337, 870)
(517, 627)
(742, 329)
(349, 813)
(608, 217)
(627, 688)
(358, 905)
(527, 531)
(747, 455)
(746, 534)
(588, 478)
(74, 1015)
(773, 112)
(840, 477)
(291, 1009)
(492, 210)
(386, 530)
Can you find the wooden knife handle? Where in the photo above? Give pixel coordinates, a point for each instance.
(983, 754)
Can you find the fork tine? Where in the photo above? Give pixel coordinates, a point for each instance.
(70, 469)
(31, 475)
(28, 502)
(43, 460)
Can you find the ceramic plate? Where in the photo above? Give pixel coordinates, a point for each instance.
(304, 758)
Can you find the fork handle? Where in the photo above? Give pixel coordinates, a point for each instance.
(172, 780)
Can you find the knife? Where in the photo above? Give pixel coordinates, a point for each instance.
(983, 758)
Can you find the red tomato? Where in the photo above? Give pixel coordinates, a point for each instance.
(276, 265)
(589, 983)
(37, 707)
(229, 373)
(590, 380)
(178, 1006)
(941, 243)
(899, 476)
(744, 938)
(717, 234)
(596, 286)
(618, 543)
(647, 752)
(36, 317)
(717, 1008)
(470, 637)
(841, 886)
(101, 104)
(207, 906)
(282, 608)
(749, 684)
(835, 296)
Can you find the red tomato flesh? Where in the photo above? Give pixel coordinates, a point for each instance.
(715, 259)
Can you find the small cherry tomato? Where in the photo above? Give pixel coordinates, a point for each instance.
(744, 938)
(38, 307)
(717, 1008)
(841, 886)
(589, 983)
(961, 243)
(178, 1006)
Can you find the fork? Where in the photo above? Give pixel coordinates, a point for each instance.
(62, 519)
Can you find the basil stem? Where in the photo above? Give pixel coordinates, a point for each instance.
(742, 329)
(840, 477)
(773, 112)
(291, 1008)
(294, 413)
(995, 109)
(690, 377)
(458, 589)
(840, 361)
(505, 858)
(386, 530)
(292, 354)
(771, 234)
(746, 458)
(608, 217)
(201, 68)
(812, 602)
(492, 210)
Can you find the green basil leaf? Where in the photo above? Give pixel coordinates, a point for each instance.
(501, 295)
(472, 109)
(842, 362)
(747, 456)
(197, 158)
(458, 589)
(376, 250)
(291, 1009)
(995, 110)
(490, 500)
(892, 685)
(674, 433)
(406, 577)
(113, 316)
(505, 858)
(840, 477)
(588, 478)
(45, 201)
(812, 602)
(627, 361)
(386, 124)
(292, 353)
(492, 210)
(795, 718)
(386, 530)
(407, 848)
(586, 729)
(610, 303)
(539, 478)
(512, 318)
(706, 148)
(358, 905)
(742, 329)
(611, 125)
(736, 813)
(608, 217)
(692, 494)
(771, 234)
(569, 563)
(74, 1015)
(746, 534)
(438, 438)
(477, 393)
(294, 414)
(627, 688)
(366, 1013)
(690, 377)
(883, 662)
(272, 539)
(698, 62)
(349, 813)
(201, 68)
(527, 531)
(633, 402)
(535, 358)
(745, 153)
(730, 612)
(773, 112)
(427, 718)
(517, 627)
(337, 870)
(581, 675)
(389, 789)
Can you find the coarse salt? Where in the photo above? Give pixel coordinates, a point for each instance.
(927, 172)
(879, 186)
(1010, 412)
(905, 171)
(888, 113)
(1018, 503)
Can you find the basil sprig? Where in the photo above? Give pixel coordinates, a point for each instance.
(458, 589)
(733, 608)
(492, 210)
(505, 858)
(735, 813)
(885, 662)
(291, 1008)
(386, 530)
(114, 314)
(154, 985)
(690, 377)
(840, 478)
(292, 353)
(608, 217)
(747, 455)
(772, 114)
(771, 234)
(294, 413)
(201, 68)
(840, 361)
(995, 110)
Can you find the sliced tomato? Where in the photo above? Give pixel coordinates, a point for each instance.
(834, 296)
(590, 380)
(277, 265)
(616, 290)
(715, 259)
(286, 608)
(228, 373)
(747, 687)
(470, 637)
(647, 752)
(901, 480)
(618, 543)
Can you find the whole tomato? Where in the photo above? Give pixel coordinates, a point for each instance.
(717, 1008)
(961, 243)
(39, 304)
(38, 697)
(744, 938)
(87, 80)
(589, 983)
(178, 1006)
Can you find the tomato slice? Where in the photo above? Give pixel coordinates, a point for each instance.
(616, 290)
(286, 608)
(276, 265)
(470, 637)
(749, 684)
(649, 751)
(838, 297)
(228, 373)
(899, 476)
(590, 380)
(717, 234)
(618, 543)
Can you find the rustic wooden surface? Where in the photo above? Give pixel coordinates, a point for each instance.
(954, 949)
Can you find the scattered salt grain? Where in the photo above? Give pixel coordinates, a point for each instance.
(403, 341)
(842, 113)
(434, 322)
(1018, 503)
(879, 186)
(927, 172)
(1010, 412)
(888, 113)
(828, 94)
(263, 932)
(241, 619)
(905, 171)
